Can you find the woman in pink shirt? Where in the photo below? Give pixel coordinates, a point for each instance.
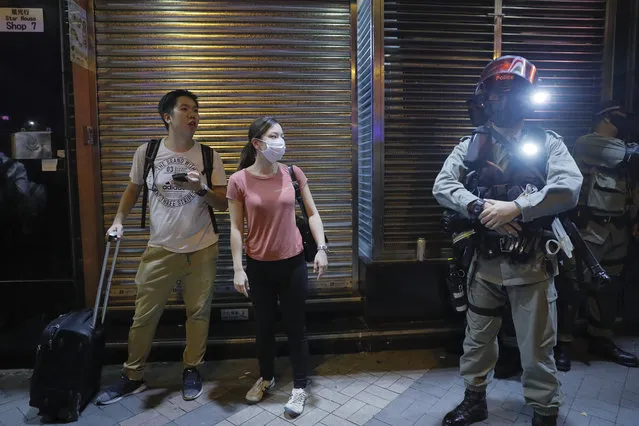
(262, 192)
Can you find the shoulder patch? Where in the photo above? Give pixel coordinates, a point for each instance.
(465, 139)
(553, 134)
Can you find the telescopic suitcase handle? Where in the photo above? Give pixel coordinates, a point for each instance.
(98, 296)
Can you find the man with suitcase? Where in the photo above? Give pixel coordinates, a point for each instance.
(183, 244)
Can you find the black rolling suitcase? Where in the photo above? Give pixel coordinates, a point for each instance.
(69, 357)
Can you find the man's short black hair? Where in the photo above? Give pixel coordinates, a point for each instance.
(168, 101)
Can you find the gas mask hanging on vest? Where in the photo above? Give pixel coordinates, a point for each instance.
(274, 150)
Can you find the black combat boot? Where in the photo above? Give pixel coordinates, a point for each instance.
(472, 409)
(539, 420)
(562, 356)
(509, 363)
(606, 349)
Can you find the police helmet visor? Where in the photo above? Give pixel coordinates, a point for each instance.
(509, 68)
(508, 76)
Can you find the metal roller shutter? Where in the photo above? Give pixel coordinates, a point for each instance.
(289, 59)
(434, 54)
(565, 40)
(365, 127)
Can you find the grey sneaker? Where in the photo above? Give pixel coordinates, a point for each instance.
(256, 393)
(191, 384)
(295, 404)
(119, 390)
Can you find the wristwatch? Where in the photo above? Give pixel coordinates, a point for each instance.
(475, 208)
(202, 192)
(323, 247)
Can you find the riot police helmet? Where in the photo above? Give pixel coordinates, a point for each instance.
(505, 94)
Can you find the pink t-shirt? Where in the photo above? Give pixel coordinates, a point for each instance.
(269, 209)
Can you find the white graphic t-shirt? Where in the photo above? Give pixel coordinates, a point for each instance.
(180, 220)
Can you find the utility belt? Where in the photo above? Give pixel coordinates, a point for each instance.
(518, 248)
(489, 244)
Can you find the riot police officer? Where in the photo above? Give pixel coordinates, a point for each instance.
(507, 179)
(606, 209)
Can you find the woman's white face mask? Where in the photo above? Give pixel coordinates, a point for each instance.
(274, 150)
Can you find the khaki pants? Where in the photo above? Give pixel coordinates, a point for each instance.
(534, 314)
(158, 273)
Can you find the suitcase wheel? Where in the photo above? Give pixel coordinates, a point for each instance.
(72, 412)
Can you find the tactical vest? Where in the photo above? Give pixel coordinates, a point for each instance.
(523, 171)
(605, 164)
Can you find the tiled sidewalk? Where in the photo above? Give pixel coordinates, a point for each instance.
(379, 389)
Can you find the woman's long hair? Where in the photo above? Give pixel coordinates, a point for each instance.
(256, 130)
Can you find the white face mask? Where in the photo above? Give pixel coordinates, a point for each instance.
(274, 150)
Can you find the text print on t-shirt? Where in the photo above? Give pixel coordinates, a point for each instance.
(168, 194)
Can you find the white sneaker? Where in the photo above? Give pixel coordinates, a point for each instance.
(295, 404)
(256, 393)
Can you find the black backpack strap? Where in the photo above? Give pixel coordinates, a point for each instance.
(298, 192)
(152, 148)
(207, 160)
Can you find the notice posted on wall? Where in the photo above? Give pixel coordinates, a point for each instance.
(21, 20)
(78, 38)
(28, 145)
